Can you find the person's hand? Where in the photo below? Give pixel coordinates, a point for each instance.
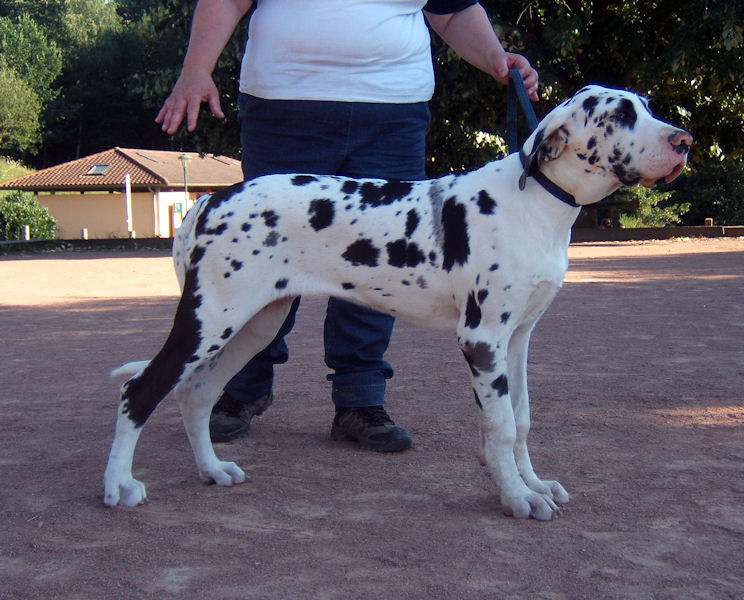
(507, 61)
(186, 98)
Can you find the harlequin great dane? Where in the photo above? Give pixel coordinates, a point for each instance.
(481, 254)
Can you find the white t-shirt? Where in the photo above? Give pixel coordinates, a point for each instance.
(342, 50)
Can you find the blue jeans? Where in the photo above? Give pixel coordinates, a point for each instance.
(332, 138)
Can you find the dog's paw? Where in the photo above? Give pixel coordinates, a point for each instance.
(557, 491)
(223, 473)
(530, 504)
(129, 492)
(550, 488)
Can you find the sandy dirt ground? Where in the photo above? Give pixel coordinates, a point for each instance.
(637, 386)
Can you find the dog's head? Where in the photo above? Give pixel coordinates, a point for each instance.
(601, 139)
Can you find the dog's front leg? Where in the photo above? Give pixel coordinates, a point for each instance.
(487, 359)
(517, 377)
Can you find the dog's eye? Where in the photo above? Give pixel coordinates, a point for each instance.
(625, 114)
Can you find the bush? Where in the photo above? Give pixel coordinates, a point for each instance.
(21, 208)
(655, 208)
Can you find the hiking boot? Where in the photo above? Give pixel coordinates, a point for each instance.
(371, 427)
(231, 419)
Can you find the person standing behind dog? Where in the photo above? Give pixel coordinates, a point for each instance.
(338, 87)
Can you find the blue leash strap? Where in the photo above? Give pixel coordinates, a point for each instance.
(516, 92)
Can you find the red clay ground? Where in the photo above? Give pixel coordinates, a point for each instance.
(636, 380)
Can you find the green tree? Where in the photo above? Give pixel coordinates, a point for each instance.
(18, 209)
(688, 57)
(163, 34)
(655, 208)
(716, 190)
(19, 114)
(46, 13)
(25, 48)
(98, 109)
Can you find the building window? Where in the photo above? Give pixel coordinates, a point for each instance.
(98, 169)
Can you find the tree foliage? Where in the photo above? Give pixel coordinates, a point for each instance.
(655, 208)
(687, 57)
(19, 113)
(35, 59)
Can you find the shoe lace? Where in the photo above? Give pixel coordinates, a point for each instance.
(374, 416)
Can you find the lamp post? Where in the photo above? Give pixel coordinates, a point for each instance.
(185, 158)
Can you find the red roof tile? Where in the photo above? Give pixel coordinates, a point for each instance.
(146, 168)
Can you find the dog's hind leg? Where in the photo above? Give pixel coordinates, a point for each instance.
(119, 485)
(143, 392)
(199, 393)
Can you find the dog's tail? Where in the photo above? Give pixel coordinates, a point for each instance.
(130, 368)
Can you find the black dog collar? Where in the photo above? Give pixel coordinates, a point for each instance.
(548, 185)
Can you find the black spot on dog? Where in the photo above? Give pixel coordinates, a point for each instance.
(494, 267)
(421, 282)
(236, 265)
(479, 356)
(591, 142)
(403, 254)
(472, 312)
(142, 394)
(362, 252)
(213, 348)
(303, 179)
(625, 114)
(245, 227)
(486, 204)
(589, 105)
(281, 284)
(196, 255)
(270, 218)
(482, 295)
(505, 317)
(322, 212)
(272, 239)
(628, 177)
(456, 244)
(219, 230)
(350, 186)
(227, 333)
(348, 286)
(214, 201)
(412, 222)
(405, 282)
(433, 258)
(226, 275)
(376, 194)
(501, 385)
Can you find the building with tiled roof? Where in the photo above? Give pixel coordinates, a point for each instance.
(89, 196)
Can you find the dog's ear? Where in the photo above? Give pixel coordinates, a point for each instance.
(550, 140)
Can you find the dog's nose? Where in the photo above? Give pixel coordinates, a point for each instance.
(680, 141)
